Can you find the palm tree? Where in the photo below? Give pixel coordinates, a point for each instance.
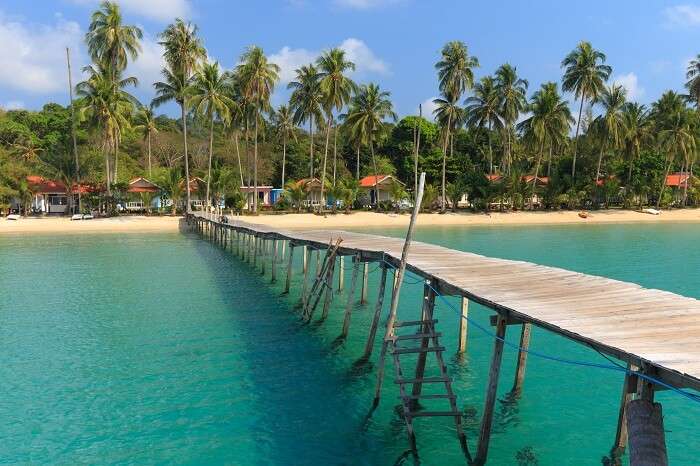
(512, 94)
(111, 43)
(483, 108)
(146, 125)
(693, 76)
(337, 89)
(305, 102)
(455, 76)
(585, 73)
(680, 140)
(210, 99)
(635, 131)
(369, 107)
(450, 116)
(549, 123)
(350, 190)
(284, 125)
(183, 53)
(610, 124)
(258, 78)
(173, 186)
(296, 193)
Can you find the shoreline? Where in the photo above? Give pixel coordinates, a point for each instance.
(355, 221)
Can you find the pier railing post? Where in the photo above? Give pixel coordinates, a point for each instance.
(489, 403)
(377, 314)
(290, 268)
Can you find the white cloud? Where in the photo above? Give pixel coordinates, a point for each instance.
(365, 4)
(682, 15)
(33, 57)
(631, 83)
(366, 62)
(148, 65)
(159, 10)
(289, 59)
(13, 105)
(428, 108)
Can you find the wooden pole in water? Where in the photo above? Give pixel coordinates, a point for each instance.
(645, 426)
(318, 263)
(463, 326)
(273, 267)
(351, 296)
(620, 444)
(525, 333)
(369, 346)
(306, 276)
(263, 251)
(397, 288)
(487, 418)
(328, 289)
(341, 274)
(290, 269)
(365, 274)
(426, 314)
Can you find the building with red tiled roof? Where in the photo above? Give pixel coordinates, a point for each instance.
(51, 196)
(379, 187)
(678, 180)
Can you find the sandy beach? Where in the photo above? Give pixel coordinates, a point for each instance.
(356, 220)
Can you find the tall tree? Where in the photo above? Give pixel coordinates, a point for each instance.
(306, 102)
(449, 116)
(369, 108)
(146, 125)
(512, 96)
(183, 52)
(636, 126)
(110, 42)
(337, 89)
(585, 74)
(679, 139)
(693, 80)
(610, 124)
(483, 110)
(455, 76)
(258, 78)
(283, 120)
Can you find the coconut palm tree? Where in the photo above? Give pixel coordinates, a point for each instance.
(183, 52)
(550, 122)
(306, 101)
(512, 94)
(679, 138)
(210, 99)
(693, 80)
(585, 73)
(455, 76)
(636, 126)
(610, 124)
(483, 109)
(369, 108)
(146, 125)
(283, 120)
(110, 42)
(258, 78)
(296, 193)
(337, 89)
(173, 186)
(449, 115)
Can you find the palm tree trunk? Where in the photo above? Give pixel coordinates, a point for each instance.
(685, 180)
(490, 151)
(444, 162)
(415, 156)
(311, 147)
(247, 151)
(509, 149)
(663, 182)
(376, 175)
(578, 125)
(105, 149)
(187, 161)
(284, 155)
(238, 155)
(255, 166)
(357, 167)
(537, 172)
(600, 160)
(150, 171)
(335, 151)
(549, 162)
(325, 158)
(115, 178)
(629, 170)
(211, 151)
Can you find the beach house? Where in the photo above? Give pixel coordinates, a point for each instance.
(142, 195)
(52, 197)
(264, 196)
(312, 186)
(379, 188)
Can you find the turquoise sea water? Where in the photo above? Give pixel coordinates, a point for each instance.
(165, 349)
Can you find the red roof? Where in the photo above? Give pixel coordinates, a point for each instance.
(41, 185)
(493, 177)
(369, 181)
(304, 182)
(602, 181)
(142, 185)
(251, 189)
(194, 183)
(540, 179)
(676, 179)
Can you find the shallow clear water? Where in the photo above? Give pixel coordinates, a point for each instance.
(150, 349)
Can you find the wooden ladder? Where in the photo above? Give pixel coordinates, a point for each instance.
(323, 282)
(429, 340)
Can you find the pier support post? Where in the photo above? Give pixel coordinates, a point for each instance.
(318, 263)
(328, 289)
(273, 262)
(426, 314)
(369, 346)
(341, 274)
(463, 326)
(288, 281)
(645, 425)
(306, 276)
(628, 388)
(263, 251)
(365, 274)
(351, 296)
(494, 372)
(522, 358)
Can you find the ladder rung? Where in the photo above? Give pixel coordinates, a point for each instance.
(423, 380)
(409, 323)
(433, 413)
(417, 336)
(428, 397)
(432, 349)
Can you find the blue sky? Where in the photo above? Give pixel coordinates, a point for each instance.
(393, 42)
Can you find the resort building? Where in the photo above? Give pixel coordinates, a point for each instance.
(264, 196)
(52, 197)
(312, 186)
(679, 180)
(379, 188)
(198, 193)
(143, 195)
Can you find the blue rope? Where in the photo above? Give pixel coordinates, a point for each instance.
(572, 362)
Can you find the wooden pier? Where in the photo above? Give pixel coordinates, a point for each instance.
(654, 333)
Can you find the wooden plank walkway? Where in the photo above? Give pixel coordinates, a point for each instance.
(635, 324)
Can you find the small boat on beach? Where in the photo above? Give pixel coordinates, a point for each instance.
(651, 211)
(583, 214)
(13, 217)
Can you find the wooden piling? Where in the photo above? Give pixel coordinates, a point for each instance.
(305, 285)
(318, 263)
(369, 346)
(463, 326)
(525, 332)
(341, 274)
(328, 289)
(365, 274)
(290, 269)
(351, 296)
(628, 388)
(645, 426)
(263, 252)
(494, 372)
(273, 265)
(426, 315)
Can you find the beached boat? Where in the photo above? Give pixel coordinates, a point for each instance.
(651, 211)
(13, 217)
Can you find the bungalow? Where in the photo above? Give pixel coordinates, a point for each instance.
(312, 186)
(198, 193)
(142, 194)
(379, 187)
(678, 180)
(51, 197)
(264, 196)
